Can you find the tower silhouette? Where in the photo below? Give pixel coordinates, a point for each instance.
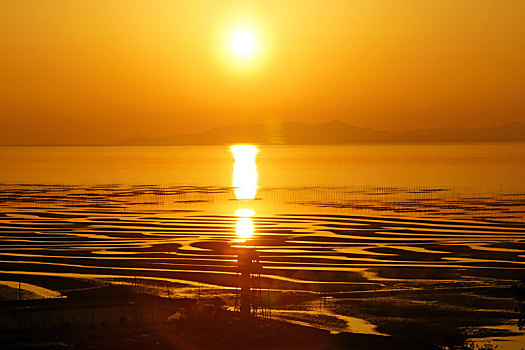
(248, 300)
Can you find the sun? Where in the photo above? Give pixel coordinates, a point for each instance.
(243, 46)
(243, 43)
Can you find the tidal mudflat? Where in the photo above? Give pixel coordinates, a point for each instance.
(443, 265)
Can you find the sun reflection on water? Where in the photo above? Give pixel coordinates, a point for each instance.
(244, 229)
(244, 180)
(245, 175)
(244, 213)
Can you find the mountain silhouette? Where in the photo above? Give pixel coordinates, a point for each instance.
(334, 132)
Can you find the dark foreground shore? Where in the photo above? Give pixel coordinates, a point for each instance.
(116, 317)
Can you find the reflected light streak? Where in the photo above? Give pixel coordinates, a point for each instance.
(245, 213)
(244, 180)
(244, 229)
(245, 174)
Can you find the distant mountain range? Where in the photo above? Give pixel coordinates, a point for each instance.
(334, 132)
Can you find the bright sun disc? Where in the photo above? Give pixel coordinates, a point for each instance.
(243, 43)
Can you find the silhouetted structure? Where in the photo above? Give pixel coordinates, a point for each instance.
(249, 294)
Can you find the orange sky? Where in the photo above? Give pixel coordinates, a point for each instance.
(106, 70)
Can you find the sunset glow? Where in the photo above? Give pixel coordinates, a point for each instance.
(144, 70)
(262, 174)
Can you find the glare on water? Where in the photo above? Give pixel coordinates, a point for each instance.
(244, 229)
(244, 180)
(245, 174)
(245, 212)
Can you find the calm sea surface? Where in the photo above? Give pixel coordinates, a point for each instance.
(489, 167)
(335, 220)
